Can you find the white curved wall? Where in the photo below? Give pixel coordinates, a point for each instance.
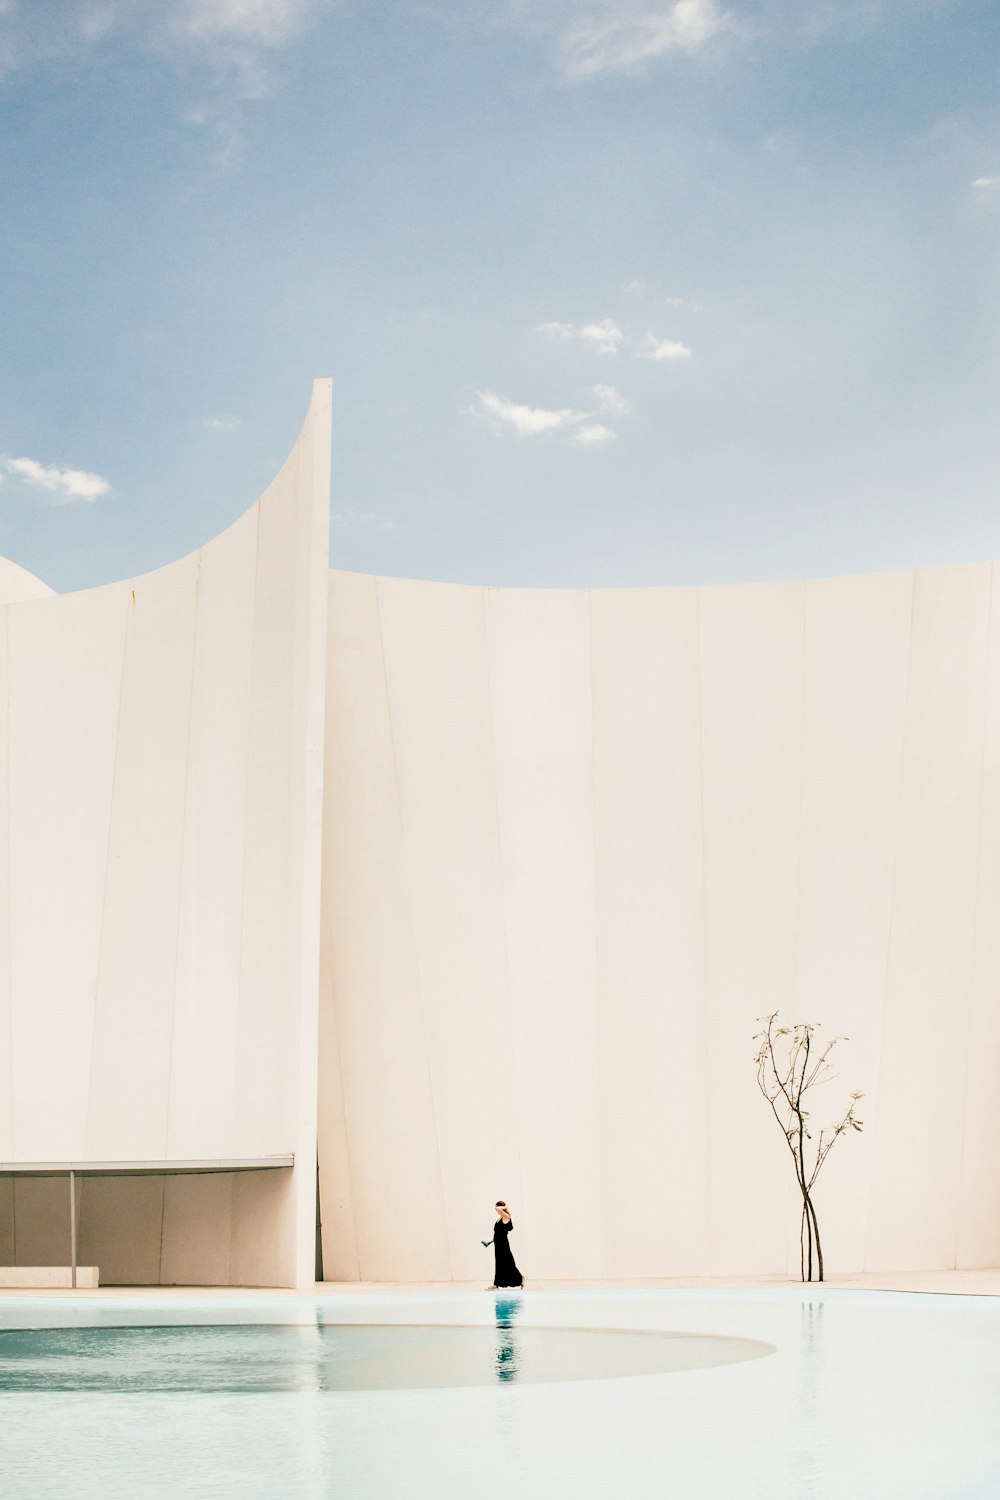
(16, 583)
(572, 844)
(576, 843)
(160, 798)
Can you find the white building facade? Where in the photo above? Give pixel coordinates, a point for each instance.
(480, 892)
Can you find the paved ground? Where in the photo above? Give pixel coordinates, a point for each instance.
(982, 1283)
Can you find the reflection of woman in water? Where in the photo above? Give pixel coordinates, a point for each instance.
(506, 1273)
(507, 1356)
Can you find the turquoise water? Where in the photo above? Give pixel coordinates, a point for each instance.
(230, 1359)
(866, 1396)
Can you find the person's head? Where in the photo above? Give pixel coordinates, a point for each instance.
(500, 1206)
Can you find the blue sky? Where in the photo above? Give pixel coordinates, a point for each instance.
(610, 292)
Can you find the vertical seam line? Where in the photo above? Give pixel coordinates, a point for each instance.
(185, 823)
(598, 1035)
(503, 893)
(797, 953)
(707, 1221)
(974, 966)
(8, 613)
(163, 1216)
(246, 822)
(892, 906)
(334, 1008)
(107, 869)
(413, 932)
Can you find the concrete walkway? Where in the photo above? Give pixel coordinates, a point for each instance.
(981, 1283)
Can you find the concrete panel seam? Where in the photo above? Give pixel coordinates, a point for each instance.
(599, 1093)
(185, 814)
(416, 947)
(335, 1024)
(318, 454)
(163, 1215)
(503, 896)
(969, 1036)
(7, 912)
(128, 601)
(246, 819)
(797, 950)
(892, 891)
(705, 970)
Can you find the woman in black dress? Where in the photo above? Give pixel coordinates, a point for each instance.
(506, 1273)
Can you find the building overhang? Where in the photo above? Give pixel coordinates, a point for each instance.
(143, 1168)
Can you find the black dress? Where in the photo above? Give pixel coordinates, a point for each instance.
(506, 1273)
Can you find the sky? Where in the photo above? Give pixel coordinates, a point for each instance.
(612, 292)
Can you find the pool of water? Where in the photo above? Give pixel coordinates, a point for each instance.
(864, 1396)
(356, 1357)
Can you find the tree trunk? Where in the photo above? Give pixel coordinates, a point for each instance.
(808, 1234)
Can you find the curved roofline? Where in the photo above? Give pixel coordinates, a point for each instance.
(43, 591)
(646, 588)
(17, 583)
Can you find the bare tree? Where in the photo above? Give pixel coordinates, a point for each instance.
(786, 1070)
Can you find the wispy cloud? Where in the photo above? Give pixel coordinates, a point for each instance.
(626, 37)
(221, 424)
(557, 330)
(526, 421)
(985, 182)
(604, 337)
(268, 22)
(594, 435)
(610, 401)
(64, 485)
(608, 337)
(222, 48)
(532, 421)
(215, 27)
(663, 349)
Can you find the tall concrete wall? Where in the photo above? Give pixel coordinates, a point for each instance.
(577, 843)
(161, 746)
(572, 845)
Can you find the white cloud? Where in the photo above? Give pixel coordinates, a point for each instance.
(526, 421)
(594, 435)
(610, 401)
(605, 336)
(664, 349)
(530, 421)
(635, 288)
(625, 38)
(64, 485)
(260, 23)
(269, 22)
(556, 330)
(221, 424)
(985, 182)
(223, 45)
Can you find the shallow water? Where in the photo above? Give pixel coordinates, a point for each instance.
(867, 1396)
(231, 1359)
